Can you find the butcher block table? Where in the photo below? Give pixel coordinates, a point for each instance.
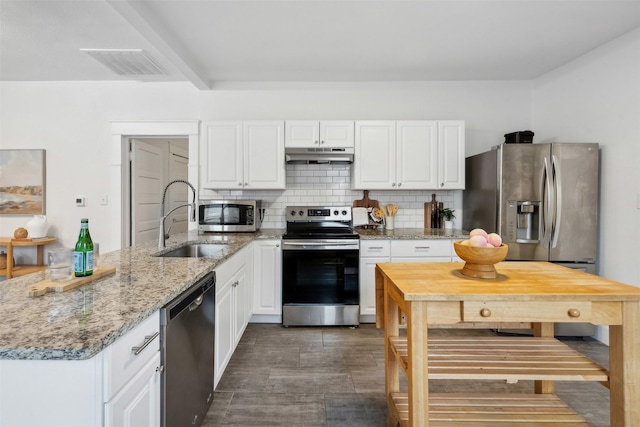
(537, 294)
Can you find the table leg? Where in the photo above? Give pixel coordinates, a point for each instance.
(418, 381)
(543, 330)
(9, 261)
(624, 367)
(391, 329)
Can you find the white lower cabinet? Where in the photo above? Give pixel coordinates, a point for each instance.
(373, 252)
(233, 308)
(138, 403)
(116, 387)
(267, 273)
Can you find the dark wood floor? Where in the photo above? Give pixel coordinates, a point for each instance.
(334, 376)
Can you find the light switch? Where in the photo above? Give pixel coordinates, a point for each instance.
(103, 199)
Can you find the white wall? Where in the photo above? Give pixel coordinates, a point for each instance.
(596, 98)
(71, 120)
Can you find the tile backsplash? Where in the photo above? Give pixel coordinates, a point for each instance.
(330, 185)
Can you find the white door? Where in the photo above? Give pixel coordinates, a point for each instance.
(374, 165)
(264, 166)
(417, 154)
(179, 193)
(147, 183)
(451, 146)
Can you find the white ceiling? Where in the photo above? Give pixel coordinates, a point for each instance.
(217, 44)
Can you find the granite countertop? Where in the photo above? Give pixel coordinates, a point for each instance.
(412, 233)
(80, 323)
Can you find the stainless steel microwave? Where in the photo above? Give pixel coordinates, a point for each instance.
(215, 216)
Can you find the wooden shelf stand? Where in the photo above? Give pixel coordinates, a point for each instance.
(20, 270)
(434, 295)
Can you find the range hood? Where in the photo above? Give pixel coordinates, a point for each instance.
(319, 155)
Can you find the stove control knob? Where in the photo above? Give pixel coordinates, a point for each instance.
(293, 213)
(336, 213)
(344, 212)
(301, 213)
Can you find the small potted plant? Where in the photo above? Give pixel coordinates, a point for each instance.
(447, 215)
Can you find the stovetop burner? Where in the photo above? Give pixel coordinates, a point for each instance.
(319, 222)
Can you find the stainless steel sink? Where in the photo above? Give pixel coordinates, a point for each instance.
(195, 250)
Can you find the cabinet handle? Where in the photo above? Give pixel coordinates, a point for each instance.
(442, 184)
(246, 184)
(423, 248)
(160, 369)
(399, 184)
(375, 248)
(485, 312)
(316, 142)
(147, 340)
(277, 246)
(393, 184)
(574, 312)
(321, 142)
(239, 184)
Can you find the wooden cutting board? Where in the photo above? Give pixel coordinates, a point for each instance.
(366, 202)
(41, 288)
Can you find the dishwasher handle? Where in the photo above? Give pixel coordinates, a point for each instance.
(191, 299)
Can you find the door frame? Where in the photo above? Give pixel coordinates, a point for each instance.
(121, 132)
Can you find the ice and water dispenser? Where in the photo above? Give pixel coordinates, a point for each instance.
(523, 221)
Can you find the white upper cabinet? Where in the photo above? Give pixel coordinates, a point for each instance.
(416, 155)
(409, 155)
(319, 134)
(374, 165)
(242, 155)
(451, 155)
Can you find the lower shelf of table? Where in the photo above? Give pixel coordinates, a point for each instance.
(491, 410)
(503, 358)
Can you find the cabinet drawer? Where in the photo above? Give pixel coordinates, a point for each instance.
(421, 248)
(120, 361)
(527, 311)
(374, 248)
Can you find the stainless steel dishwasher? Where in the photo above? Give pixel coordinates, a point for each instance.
(187, 327)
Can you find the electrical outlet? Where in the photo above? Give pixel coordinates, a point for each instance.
(81, 201)
(104, 199)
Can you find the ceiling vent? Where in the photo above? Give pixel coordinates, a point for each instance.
(126, 62)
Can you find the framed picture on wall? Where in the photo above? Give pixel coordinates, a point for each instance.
(22, 182)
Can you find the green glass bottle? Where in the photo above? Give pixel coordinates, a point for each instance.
(83, 254)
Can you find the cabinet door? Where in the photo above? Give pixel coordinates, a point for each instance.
(368, 284)
(241, 308)
(224, 338)
(451, 145)
(336, 134)
(417, 155)
(138, 403)
(302, 133)
(268, 277)
(221, 151)
(264, 166)
(375, 156)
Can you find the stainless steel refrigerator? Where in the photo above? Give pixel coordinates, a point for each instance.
(542, 199)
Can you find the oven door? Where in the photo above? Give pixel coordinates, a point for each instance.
(320, 283)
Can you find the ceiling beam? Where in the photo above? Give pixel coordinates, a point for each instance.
(168, 46)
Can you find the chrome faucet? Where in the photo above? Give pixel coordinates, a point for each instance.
(162, 234)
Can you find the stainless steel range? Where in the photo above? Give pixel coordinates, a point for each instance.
(320, 255)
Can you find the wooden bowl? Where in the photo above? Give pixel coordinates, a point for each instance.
(479, 262)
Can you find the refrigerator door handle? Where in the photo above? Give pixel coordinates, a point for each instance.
(546, 190)
(557, 202)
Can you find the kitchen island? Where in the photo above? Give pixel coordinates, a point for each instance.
(437, 294)
(85, 356)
